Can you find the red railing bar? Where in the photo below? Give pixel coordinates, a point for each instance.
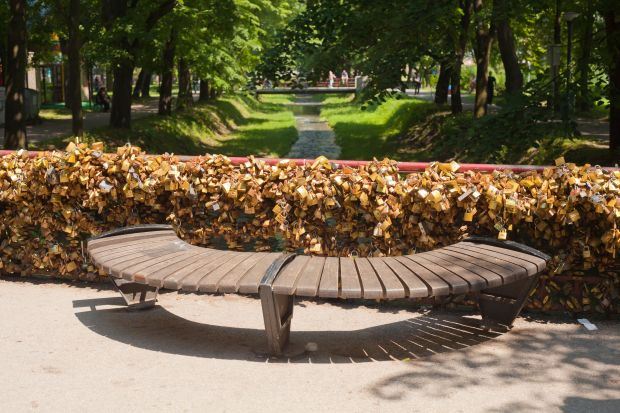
(402, 166)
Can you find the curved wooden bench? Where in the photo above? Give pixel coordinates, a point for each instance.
(144, 258)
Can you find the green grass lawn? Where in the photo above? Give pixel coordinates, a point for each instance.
(374, 132)
(235, 126)
(413, 130)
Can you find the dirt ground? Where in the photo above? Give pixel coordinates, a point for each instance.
(74, 348)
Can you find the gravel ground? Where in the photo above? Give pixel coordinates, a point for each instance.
(74, 348)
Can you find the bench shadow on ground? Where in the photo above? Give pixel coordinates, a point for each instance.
(159, 330)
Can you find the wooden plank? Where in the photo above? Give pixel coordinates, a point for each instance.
(329, 287)
(125, 250)
(133, 272)
(392, 285)
(475, 281)
(229, 283)
(213, 274)
(102, 243)
(108, 264)
(509, 271)
(350, 282)
(157, 276)
(531, 269)
(538, 262)
(142, 275)
(416, 288)
(309, 279)
(189, 277)
(371, 286)
(129, 246)
(252, 278)
(494, 274)
(286, 282)
(437, 285)
(457, 284)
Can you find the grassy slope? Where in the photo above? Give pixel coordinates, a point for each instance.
(374, 132)
(233, 126)
(412, 130)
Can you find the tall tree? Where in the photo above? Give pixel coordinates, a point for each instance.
(584, 102)
(612, 30)
(459, 52)
(482, 50)
(507, 47)
(74, 46)
(185, 98)
(15, 117)
(165, 89)
(443, 81)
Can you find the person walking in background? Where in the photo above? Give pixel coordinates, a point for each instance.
(344, 78)
(417, 83)
(332, 78)
(491, 88)
(102, 98)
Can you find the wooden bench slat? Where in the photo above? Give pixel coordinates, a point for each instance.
(308, 282)
(129, 271)
(437, 285)
(457, 284)
(130, 246)
(229, 283)
(468, 261)
(211, 275)
(492, 279)
(350, 282)
(538, 262)
(286, 282)
(476, 282)
(252, 278)
(328, 288)
(138, 255)
(391, 283)
(529, 267)
(142, 275)
(102, 243)
(125, 250)
(190, 277)
(511, 272)
(415, 286)
(156, 275)
(371, 286)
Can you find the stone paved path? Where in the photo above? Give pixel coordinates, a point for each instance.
(316, 138)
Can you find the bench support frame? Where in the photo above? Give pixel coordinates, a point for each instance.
(501, 305)
(277, 308)
(137, 296)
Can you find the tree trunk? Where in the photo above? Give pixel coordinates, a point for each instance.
(584, 103)
(120, 116)
(507, 48)
(109, 79)
(138, 86)
(185, 98)
(15, 117)
(75, 73)
(612, 29)
(204, 90)
(165, 90)
(145, 90)
(459, 52)
(555, 70)
(482, 50)
(441, 89)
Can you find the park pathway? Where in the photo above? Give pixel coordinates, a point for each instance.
(316, 138)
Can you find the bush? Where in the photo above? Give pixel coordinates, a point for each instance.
(53, 202)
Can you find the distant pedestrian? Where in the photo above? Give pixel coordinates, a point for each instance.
(332, 78)
(417, 84)
(344, 78)
(102, 98)
(472, 84)
(491, 88)
(97, 83)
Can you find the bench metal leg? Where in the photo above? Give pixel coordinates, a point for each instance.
(137, 296)
(501, 305)
(277, 314)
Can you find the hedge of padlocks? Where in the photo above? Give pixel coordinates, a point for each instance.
(51, 203)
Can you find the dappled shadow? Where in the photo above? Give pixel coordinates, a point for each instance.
(528, 356)
(160, 330)
(583, 405)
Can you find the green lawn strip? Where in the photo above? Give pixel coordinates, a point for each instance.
(412, 130)
(374, 132)
(234, 126)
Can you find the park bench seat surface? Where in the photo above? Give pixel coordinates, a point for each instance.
(162, 260)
